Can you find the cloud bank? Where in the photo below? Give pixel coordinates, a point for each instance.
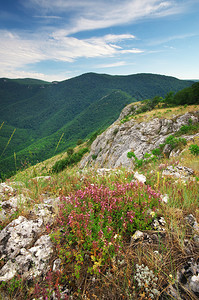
(21, 48)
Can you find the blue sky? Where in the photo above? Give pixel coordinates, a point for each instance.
(60, 39)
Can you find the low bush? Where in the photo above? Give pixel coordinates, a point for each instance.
(175, 142)
(68, 161)
(157, 151)
(190, 129)
(194, 149)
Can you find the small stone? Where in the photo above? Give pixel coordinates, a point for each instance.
(140, 177)
(103, 171)
(196, 238)
(194, 283)
(190, 220)
(173, 292)
(159, 224)
(41, 178)
(162, 221)
(137, 236)
(165, 198)
(56, 265)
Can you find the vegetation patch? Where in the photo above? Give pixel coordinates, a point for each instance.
(73, 158)
(194, 149)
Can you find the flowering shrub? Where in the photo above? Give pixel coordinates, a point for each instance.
(97, 219)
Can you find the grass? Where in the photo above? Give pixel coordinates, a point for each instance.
(163, 113)
(93, 229)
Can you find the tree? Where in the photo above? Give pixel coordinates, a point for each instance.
(70, 151)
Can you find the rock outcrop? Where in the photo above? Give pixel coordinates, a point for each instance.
(111, 147)
(25, 248)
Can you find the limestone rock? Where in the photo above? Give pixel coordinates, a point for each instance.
(188, 276)
(140, 177)
(194, 283)
(128, 110)
(29, 263)
(45, 212)
(15, 202)
(20, 233)
(111, 147)
(164, 198)
(159, 224)
(191, 220)
(167, 150)
(180, 172)
(138, 235)
(41, 178)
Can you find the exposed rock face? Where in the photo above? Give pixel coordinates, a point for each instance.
(31, 262)
(24, 246)
(112, 146)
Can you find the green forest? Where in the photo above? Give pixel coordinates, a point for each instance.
(40, 119)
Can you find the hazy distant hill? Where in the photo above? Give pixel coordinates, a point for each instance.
(41, 112)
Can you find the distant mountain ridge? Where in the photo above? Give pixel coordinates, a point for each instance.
(73, 109)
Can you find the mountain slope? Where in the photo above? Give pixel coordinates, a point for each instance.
(42, 112)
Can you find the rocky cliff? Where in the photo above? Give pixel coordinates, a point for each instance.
(128, 134)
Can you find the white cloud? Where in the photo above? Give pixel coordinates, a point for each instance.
(167, 39)
(48, 17)
(17, 52)
(117, 64)
(84, 15)
(26, 74)
(133, 51)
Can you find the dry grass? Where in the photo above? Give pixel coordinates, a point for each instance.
(166, 113)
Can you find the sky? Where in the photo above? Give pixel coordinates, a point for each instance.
(54, 40)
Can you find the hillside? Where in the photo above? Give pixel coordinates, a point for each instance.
(130, 231)
(73, 109)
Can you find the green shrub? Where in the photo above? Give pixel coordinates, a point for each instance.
(68, 161)
(115, 131)
(156, 151)
(70, 151)
(190, 129)
(126, 119)
(175, 142)
(131, 154)
(138, 162)
(147, 155)
(184, 129)
(94, 136)
(79, 142)
(194, 149)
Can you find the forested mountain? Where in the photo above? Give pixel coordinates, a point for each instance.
(73, 109)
